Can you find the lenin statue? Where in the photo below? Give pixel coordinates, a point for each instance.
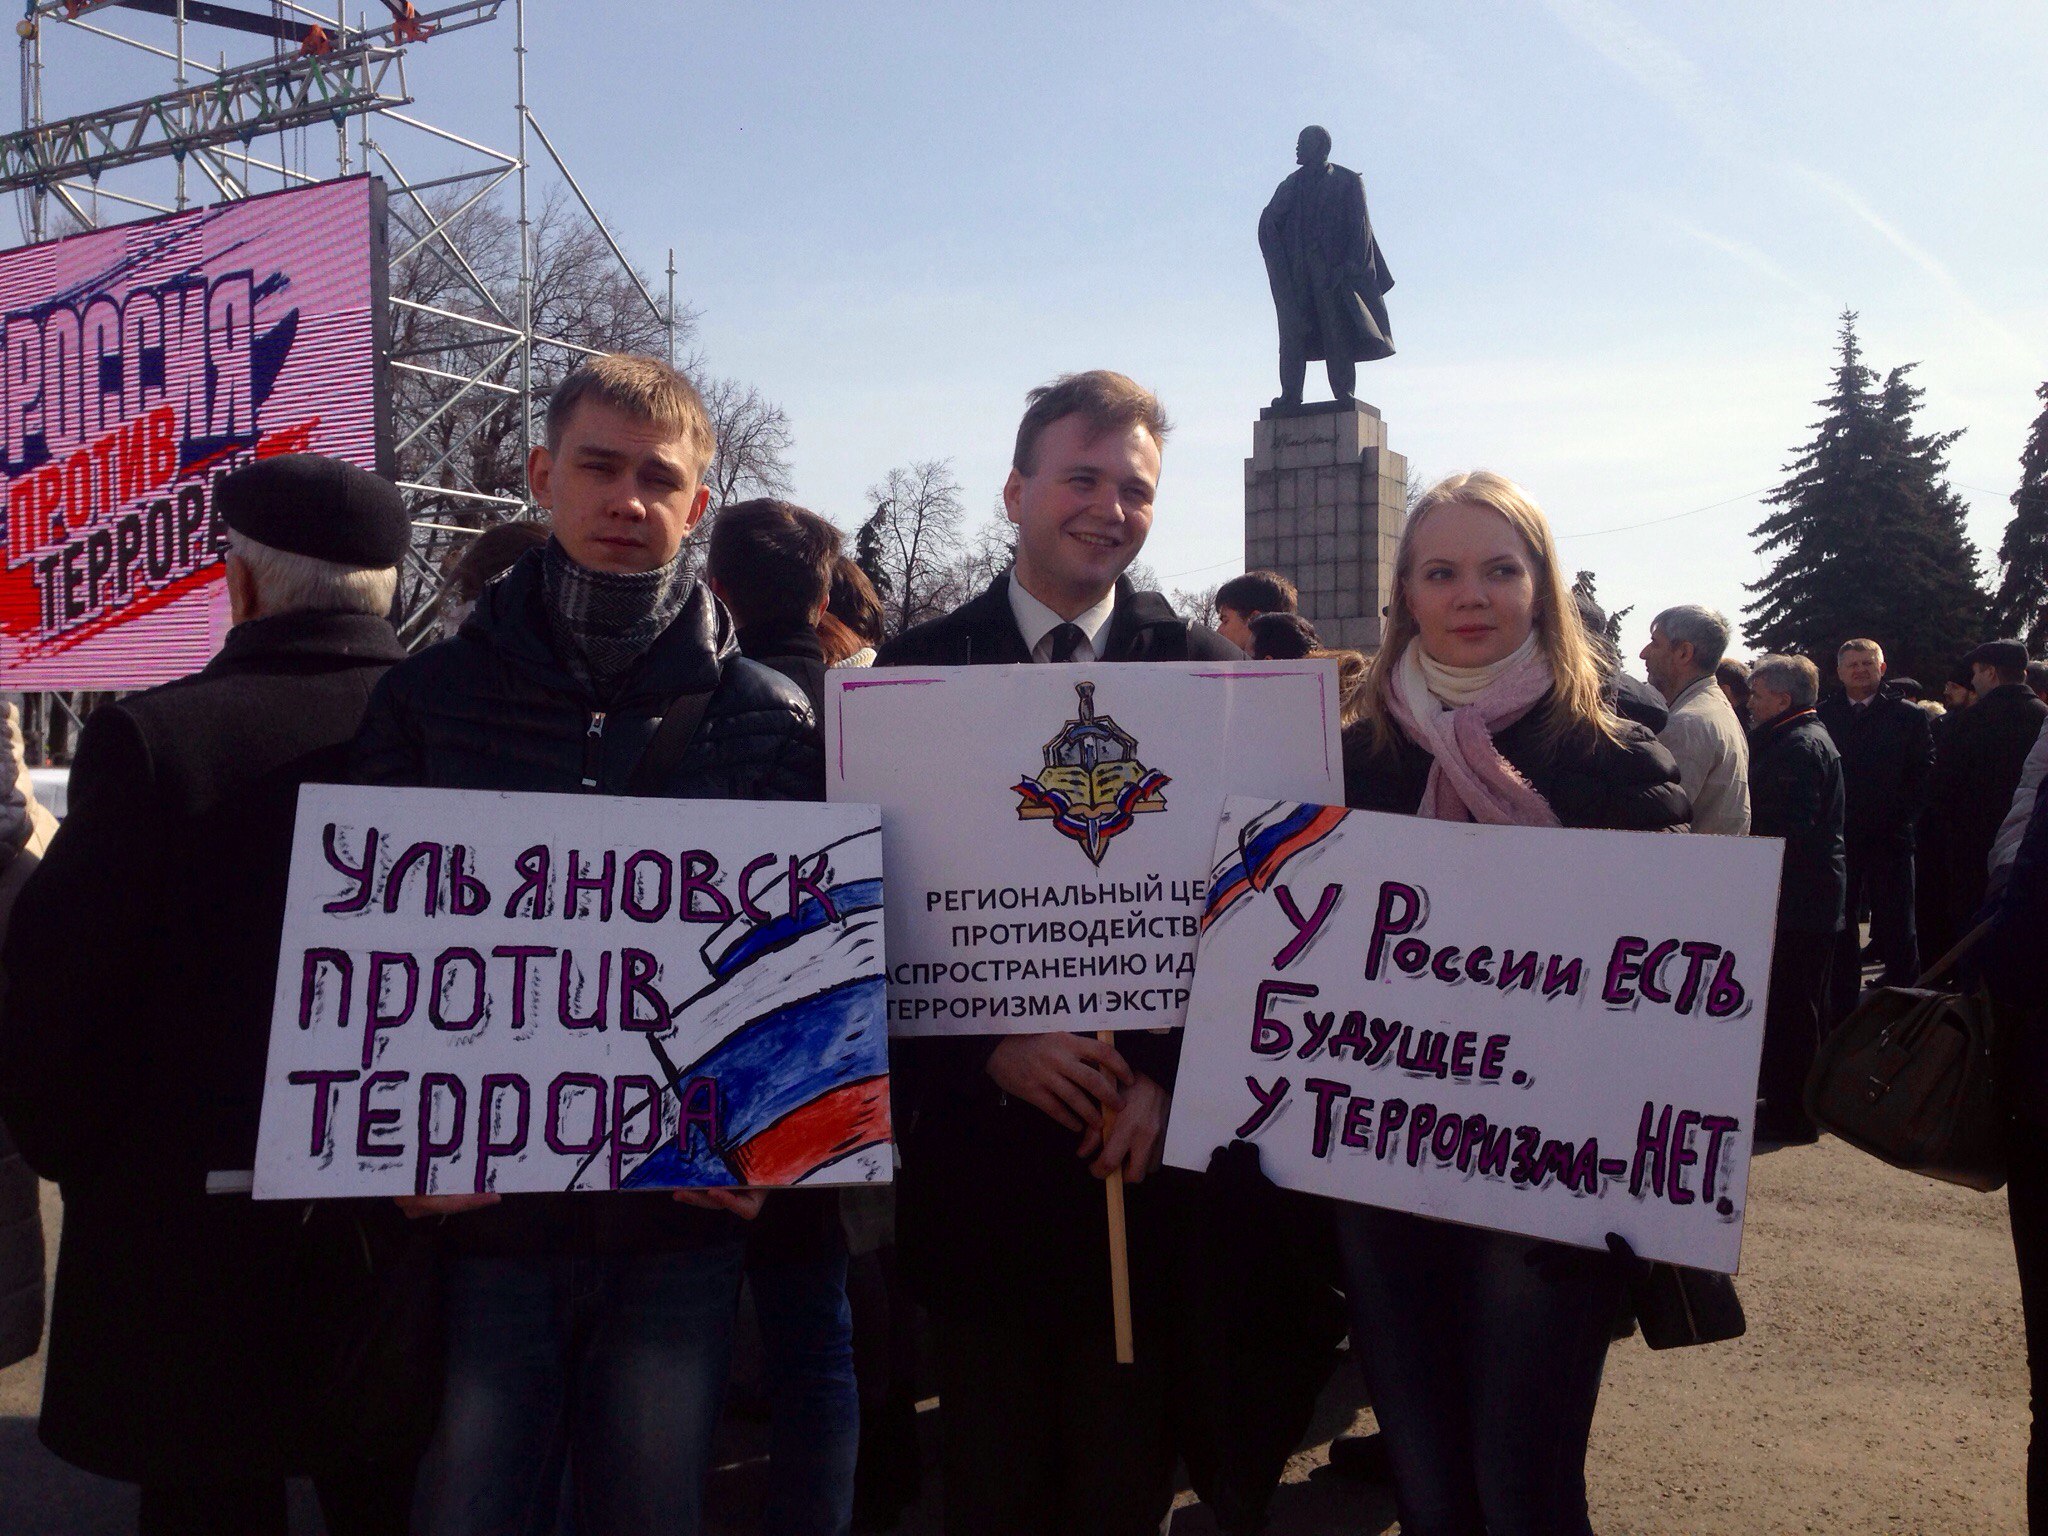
(1327, 273)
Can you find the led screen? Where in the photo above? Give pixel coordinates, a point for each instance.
(138, 365)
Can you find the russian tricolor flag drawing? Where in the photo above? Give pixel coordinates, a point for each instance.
(1264, 845)
(792, 1028)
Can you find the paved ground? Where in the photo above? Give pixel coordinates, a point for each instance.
(1881, 1388)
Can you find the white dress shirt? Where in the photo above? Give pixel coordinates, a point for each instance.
(1036, 622)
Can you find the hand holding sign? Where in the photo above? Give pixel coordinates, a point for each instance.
(486, 993)
(1072, 1078)
(1393, 1020)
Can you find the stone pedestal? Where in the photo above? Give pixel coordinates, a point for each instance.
(1323, 502)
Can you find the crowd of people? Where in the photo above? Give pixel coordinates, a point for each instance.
(525, 1364)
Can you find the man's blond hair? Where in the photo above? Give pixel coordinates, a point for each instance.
(1108, 402)
(640, 386)
(1860, 645)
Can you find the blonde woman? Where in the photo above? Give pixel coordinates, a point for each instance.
(1483, 1351)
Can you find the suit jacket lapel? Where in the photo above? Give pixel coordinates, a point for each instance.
(992, 630)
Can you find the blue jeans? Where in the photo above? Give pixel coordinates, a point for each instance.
(1483, 1355)
(620, 1361)
(813, 1403)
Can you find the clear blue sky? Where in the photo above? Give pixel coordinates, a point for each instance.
(1622, 234)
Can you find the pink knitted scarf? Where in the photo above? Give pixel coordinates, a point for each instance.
(1468, 778)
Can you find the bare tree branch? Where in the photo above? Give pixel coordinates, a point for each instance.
(914, 533)
(1197, 604)
(754, 443)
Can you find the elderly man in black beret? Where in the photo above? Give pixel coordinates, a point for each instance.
(193, 1341)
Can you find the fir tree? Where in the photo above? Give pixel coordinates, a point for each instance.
(867, 554)
(1586, 585)
(2021, 607)
(1868, 534)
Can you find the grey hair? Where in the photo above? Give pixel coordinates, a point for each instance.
(287, 582)
(1794, 676)
(1705, 630)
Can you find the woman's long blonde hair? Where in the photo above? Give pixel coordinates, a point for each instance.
(1576, 703)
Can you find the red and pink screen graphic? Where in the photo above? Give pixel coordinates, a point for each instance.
(137, 366)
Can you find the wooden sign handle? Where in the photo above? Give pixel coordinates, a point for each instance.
(1119, 1246)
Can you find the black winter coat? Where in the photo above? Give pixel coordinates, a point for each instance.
(1982, 754)
(493, 709)
(1887, 749)
(1633, 699)
(794, 650)
(139, 967)
(1629, 784)
(1795, 792)
(1021, 1211)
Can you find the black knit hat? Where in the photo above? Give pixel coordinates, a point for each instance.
(2005, 655)
(307, 504)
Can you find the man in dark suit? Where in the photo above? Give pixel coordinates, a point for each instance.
(1982, 757)
(1795, 793)
(139, 967)
(1001, 1215)
(1887, 750)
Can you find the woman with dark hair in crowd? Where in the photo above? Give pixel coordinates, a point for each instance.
(1290, 637)
(888, 1472)
(852, 625)
(1483, 1351)
(1282, 637)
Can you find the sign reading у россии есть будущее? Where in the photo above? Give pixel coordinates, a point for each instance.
(483, 991)
(1530, 1029)
(1048, 828)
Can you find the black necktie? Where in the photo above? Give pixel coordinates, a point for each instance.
(1066, 639)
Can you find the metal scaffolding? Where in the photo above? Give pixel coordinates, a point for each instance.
(200, 140)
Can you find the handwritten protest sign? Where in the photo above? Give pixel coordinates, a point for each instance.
(1539, 1031)
(1049, 828)
(513, 992)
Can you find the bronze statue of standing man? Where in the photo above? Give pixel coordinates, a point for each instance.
(1329, 279)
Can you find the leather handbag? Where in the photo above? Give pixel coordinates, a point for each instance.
(1676, 1306)
(1910, 1076)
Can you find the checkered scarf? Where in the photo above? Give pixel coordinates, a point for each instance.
(602, 622)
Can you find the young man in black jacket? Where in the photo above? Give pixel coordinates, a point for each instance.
(1002, 1210)
(1795, 792)
(602, 1318)
(1887, 748)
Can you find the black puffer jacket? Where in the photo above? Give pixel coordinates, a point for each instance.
(493, 709)
(1795, 792)
(1626, 785)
